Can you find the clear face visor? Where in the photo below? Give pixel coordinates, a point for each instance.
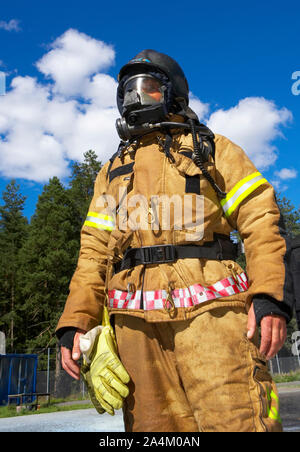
(149, 89)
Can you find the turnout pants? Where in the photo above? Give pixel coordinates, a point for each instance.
(196, 375)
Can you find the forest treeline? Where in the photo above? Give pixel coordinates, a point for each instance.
(38, 258)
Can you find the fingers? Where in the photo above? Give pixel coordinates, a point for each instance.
(68, 364)
(76, 353)
(275, 343)
(251, 326)
(68, 359)
(266, 335)
(273, 335)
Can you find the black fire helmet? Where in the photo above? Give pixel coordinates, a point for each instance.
(160, 65)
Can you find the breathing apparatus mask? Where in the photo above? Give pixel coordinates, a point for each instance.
(144, 103)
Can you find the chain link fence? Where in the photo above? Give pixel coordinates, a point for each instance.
(284, 365)
(52, 378)
(61, 385)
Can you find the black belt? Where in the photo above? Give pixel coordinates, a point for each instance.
(219, 249)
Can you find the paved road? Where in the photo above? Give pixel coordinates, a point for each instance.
(89, 420)
(290, 408)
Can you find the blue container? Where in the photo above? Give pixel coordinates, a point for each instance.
(17, 376)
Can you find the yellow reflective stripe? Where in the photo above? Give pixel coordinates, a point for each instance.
(273, 411)
(100, 221)
(274, 396)
(100, 215)
(98, 226)
(239, 185)
(240, 191)
(273, 414)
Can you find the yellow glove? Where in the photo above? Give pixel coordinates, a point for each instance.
(102, 370)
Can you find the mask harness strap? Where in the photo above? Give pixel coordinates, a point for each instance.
(198, 159)
(167, 145)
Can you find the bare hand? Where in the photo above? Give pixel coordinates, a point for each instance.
(69, 359)
(273, 333)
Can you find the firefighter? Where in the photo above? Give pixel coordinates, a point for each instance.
(156, 257)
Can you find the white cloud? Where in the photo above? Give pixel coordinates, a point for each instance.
(277, 184)
(45, 125)
(12, 25)
(286, 173)
(199, 107)
(283, 175)
(101, 91)
(74, 57)
(28, 150)
(42, 127)
(253, 124)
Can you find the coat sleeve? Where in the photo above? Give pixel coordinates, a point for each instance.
(251, 208)
(83, 308)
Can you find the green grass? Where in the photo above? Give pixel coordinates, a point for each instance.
(10, 411)
(285, 378)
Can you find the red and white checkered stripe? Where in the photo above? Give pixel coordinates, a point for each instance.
(182, 298)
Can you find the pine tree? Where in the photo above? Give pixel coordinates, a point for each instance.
(82, 182)
(49, 258)
(290, 215)
(13, 231)
(291, 218)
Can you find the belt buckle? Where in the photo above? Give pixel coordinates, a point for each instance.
(163, 253)
(157, 254)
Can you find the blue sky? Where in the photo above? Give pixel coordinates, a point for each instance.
(238, 57)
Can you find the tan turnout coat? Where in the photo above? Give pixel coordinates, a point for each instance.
(147, 173)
